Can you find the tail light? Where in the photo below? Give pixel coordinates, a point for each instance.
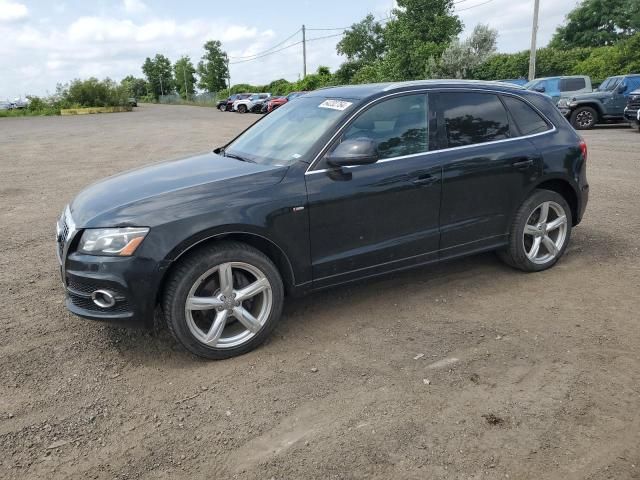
(583, 149)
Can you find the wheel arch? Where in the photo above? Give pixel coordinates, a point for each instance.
(597, 106)
(265, 245)
(563, 187)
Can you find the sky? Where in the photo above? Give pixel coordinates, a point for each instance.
(47, 42)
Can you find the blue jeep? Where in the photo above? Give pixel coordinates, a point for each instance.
(606, 104)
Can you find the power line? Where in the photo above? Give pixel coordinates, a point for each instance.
(266, 54)
(269, 49)
(474, 6)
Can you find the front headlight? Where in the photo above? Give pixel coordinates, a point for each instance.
(112, 241)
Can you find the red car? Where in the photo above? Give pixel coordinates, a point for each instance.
(279, 101)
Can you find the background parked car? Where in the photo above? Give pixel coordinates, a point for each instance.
(515, 81)
(246, 104)
(133, 102)
(605, 104)
(558, 87)
(278, 102)
(235, 98)
(5, 105)
(222, 104)
(632, 110)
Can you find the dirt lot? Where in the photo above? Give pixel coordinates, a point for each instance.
(530, 376)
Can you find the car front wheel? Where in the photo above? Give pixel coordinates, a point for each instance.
(539, 233)
(584, 118)
(242, 108)
(223, 301)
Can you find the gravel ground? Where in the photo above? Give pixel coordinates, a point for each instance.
(466, 370)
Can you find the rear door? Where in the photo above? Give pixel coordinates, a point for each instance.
(487, 166)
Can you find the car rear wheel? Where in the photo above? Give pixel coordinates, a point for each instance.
(223, 108)
(539, 233)
(242, 108)
(584, 118)
(223, 301)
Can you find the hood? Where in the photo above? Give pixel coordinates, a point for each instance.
(117, 200)
(595, 95)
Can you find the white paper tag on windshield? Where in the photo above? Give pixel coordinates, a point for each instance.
(335, 104)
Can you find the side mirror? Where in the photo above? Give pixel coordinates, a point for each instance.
(540, 89)
(357, 151)
(621, 88)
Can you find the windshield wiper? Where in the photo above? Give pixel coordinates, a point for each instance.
(237, 157)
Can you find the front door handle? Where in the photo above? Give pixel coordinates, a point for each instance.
(424, 179)
(522, 164)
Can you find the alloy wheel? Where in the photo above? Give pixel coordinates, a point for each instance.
(228, 304)
(545, 233)
(584, 119)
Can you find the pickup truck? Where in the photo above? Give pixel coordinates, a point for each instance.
(632, 110)
(606, 104)
(558, 87)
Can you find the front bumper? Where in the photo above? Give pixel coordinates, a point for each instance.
(632, 115)
(132, 281)
(565, 110)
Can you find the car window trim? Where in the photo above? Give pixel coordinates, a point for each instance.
(310, 169)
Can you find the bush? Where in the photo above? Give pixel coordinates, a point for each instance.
(93, 93)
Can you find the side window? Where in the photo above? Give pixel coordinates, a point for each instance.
(398, 126)
(572, 84)
(471, 118)
(526, 118)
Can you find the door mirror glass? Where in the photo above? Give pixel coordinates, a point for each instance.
(621, 88)
(356, 151)
(540, 88)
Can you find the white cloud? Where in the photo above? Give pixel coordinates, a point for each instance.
(12, 11)
(134, 6)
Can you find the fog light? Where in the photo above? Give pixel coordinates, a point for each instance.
(103, 298)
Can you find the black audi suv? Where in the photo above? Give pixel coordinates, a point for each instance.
(343, 184)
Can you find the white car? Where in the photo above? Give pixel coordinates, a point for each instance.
(245, 105)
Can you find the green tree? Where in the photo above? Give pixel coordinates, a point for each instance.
(460, 58)
(184, 74)
(92, 93)
(159, 75)
(420, 29)
(135, 87)
(213, 67)
(363, 41)
(596, 23)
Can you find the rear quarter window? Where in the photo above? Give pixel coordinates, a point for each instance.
(527, 120)
(572, 84)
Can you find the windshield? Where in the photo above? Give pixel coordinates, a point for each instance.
(609, 84)
(531, 84)
(290, 132)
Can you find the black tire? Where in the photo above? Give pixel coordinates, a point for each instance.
(584, 118)
(515, 254)
(242, 108)
(187, 273)
(223, 108)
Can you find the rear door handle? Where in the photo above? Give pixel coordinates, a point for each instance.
(522, 164)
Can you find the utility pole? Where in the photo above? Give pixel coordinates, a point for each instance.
(534, 33)
(186, 86)
(228, 77)
(304, 51)
(161, 89)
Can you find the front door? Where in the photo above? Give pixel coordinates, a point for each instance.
(384, 216)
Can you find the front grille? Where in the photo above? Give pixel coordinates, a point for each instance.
(634, 102)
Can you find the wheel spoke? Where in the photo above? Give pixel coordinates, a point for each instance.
(203, 303)
(226, 279)
(558, 222)
(252, 290)
(535, 247)
(217, 327)
(530, 230)
(248, 320)
(550, 245)
(544, 212)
